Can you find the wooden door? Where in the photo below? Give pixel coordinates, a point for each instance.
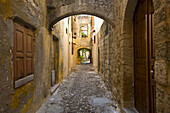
(140, 76)
(144, 89)
(151, 58)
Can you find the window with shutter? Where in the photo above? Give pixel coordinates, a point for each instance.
(23, 54)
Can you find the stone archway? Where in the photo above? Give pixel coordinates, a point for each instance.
(84, 48)
(127, 34)
(60, 9)
(80, 48)
(104, 9)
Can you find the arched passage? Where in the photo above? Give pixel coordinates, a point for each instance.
(100, 9)
(60, 9)
(84, 54)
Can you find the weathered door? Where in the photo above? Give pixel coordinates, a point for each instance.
(143, 49)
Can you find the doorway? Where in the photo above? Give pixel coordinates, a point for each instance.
(98, 60)
(144, 58)
(55, 62)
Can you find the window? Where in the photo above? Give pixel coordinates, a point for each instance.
(107, 29)
(23, 55)
(94, 39)
(66, 31)
(72, 44)
(84, 31)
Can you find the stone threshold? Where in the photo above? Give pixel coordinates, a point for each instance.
(54, 88)
(130, 110)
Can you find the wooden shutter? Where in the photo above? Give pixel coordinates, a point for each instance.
(23, 52)
(29, 52)
(18, 52)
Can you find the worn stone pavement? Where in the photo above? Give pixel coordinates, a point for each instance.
(82, 91)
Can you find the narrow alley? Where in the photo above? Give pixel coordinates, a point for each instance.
(84, 56)
(82, 91)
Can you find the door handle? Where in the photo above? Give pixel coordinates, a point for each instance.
(152, 74)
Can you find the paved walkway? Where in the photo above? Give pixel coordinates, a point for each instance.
(82, 91)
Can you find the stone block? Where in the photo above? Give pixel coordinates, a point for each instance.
(126, 55)
(160, 99)
(160, 16)
(161, 72)
(157, 4)
(162, 51)
(160, 32)
(168, 101)
(126, 41)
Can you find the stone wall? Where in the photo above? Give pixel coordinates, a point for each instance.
(62, 30)
(109, 54)
(162, 53)
(123, 42)
(57, 28)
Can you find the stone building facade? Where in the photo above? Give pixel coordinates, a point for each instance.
(62, 31)
(116, 55)
(83, 42)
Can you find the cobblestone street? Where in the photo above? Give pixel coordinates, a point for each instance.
(82, 91)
